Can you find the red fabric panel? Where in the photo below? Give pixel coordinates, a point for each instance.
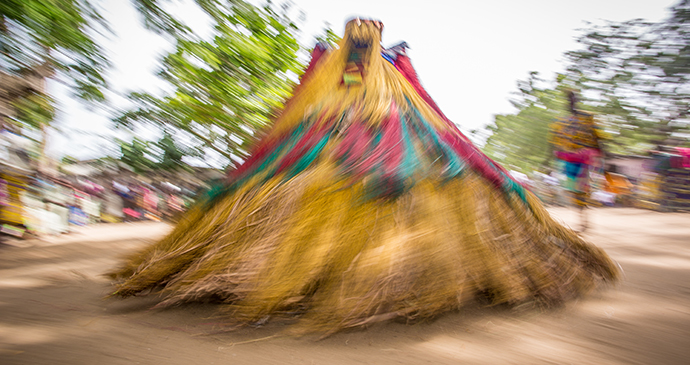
(389, 151)
(354, 144)
(467, 150)
(308, 141)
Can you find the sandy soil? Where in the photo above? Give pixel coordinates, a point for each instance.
(53, 311)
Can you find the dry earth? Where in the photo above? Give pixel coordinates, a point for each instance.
(53, 311)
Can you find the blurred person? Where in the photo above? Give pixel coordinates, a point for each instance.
(361, 203)
(4, 193)
(91, 205)
(553, 187)
(41, 218)
(56, 197)
(150, 201)
(131, 205)
(12, 212)
(77, 215)
(619, 186)
(34, 209)
(113, 205)
(173, 207)
(576, 141)
(174, 204)
(60, 219)
(4, 202)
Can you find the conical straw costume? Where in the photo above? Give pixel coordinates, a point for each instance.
(362, 203)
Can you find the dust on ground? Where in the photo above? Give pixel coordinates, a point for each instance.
(53, 311)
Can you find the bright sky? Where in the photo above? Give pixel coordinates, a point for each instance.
(468, 54)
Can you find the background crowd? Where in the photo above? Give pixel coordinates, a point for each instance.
(37, 201)
(659, 180)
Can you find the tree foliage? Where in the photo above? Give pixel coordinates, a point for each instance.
(69, 160)
(52, 38)
(171, 153)
(520, 141)
(638, 75)
(164, 154)
(633, 75)
(34, 109)
(135, 155)
(226, 88)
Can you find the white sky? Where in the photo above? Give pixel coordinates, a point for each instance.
(468, 54)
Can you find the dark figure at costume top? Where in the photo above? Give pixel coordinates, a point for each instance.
(361, 203)
(576, 141)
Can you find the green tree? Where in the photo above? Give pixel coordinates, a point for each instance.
(328, 36)
(137, 155)
(634, 76)
(171, 153)
(521, 140)
(54, 39)
(69, 160)
(33, 108)
(42, 39)
(637, 74)
(164, 154)
(227, 88)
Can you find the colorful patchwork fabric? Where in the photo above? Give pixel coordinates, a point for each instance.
(364, 202)
(389, 133)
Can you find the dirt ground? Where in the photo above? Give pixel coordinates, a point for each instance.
(53, 311)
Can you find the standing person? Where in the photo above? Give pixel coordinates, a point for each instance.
(174, 206)
(149, 200)
(130, 207)
(576, 141)
(114, 205)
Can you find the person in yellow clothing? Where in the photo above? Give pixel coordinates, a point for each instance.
(576, 141)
